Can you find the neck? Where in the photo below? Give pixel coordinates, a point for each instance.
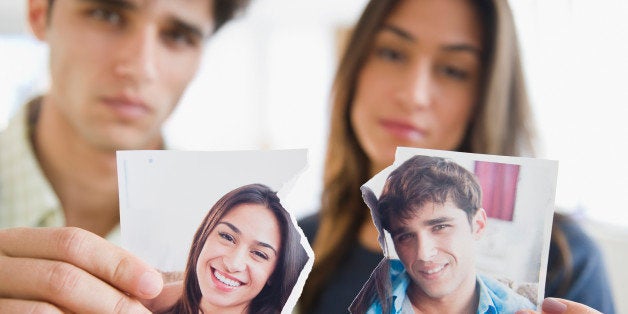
(207, 308)
(464, 300)
(83, 176)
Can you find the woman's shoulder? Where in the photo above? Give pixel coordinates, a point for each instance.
(579, 241)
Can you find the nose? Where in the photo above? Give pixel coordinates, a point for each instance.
(235, 261)
(137, 60)
(417, 86)
(426, 249)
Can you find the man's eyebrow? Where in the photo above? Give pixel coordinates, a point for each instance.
(398, 32)
(396, 231)
(188, 27)
(438, 221)
(120, 4)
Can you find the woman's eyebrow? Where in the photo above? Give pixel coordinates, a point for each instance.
(398, 32)
(231, 226)
(266, 245)
(461, 47)
(236, 230)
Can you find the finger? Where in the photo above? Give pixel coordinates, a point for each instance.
(87, 251)
(63, 285)
(562, 306)
(27, 306)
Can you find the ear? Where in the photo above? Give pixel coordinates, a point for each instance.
(479, 223)
(38, 17)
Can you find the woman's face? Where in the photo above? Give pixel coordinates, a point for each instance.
(238, 258)
(420, 82)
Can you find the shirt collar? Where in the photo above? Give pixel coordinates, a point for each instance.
(26, 196)
(26, 192)
(485, 304)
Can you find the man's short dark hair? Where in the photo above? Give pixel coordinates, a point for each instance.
(424, 179)
(224, 10)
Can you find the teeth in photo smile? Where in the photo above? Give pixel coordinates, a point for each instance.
(226, 280)
(434, 270)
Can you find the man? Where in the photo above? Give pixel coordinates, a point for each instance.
(117, 69)
(432, 209)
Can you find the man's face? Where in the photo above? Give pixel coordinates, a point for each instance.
(437, 248)
(119, 67)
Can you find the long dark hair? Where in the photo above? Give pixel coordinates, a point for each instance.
(292, 255)
(501, 125)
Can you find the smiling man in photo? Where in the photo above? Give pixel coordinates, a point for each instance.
(432, 209)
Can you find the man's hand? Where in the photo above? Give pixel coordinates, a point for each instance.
(561, 306)
(54, 270)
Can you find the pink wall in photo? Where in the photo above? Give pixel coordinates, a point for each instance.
(499, 188)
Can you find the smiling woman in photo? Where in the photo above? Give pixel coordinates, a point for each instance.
(245, 257)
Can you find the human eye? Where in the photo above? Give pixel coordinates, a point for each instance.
(226, 236)
(181, 37)
(440, 227)
(404, 237)
(454, 72)
(106, 15)
(389, 54)
(260, 254)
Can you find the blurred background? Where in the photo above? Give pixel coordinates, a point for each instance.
(265, 80)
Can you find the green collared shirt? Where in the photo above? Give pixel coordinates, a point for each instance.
(26, 196)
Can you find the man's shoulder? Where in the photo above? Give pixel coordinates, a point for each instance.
(504, 300)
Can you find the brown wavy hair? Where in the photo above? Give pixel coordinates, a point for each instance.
(501, 124)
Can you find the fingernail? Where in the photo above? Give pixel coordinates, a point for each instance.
(551, 305)
(151, 283)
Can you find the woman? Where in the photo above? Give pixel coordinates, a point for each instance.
(439, 74)
(245, 257)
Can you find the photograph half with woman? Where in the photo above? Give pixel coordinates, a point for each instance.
(245, 257)
(223, 241)
(437, 74)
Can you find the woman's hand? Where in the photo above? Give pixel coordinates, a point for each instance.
(561, 306)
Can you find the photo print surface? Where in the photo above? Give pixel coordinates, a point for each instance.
(459, 227)
(215, 225)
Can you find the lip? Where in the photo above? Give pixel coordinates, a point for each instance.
(433, 271)
(126, 106)
(403, 130)
(222, 286)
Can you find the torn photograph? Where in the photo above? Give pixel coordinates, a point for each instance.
(213, 223)
(460, 232)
